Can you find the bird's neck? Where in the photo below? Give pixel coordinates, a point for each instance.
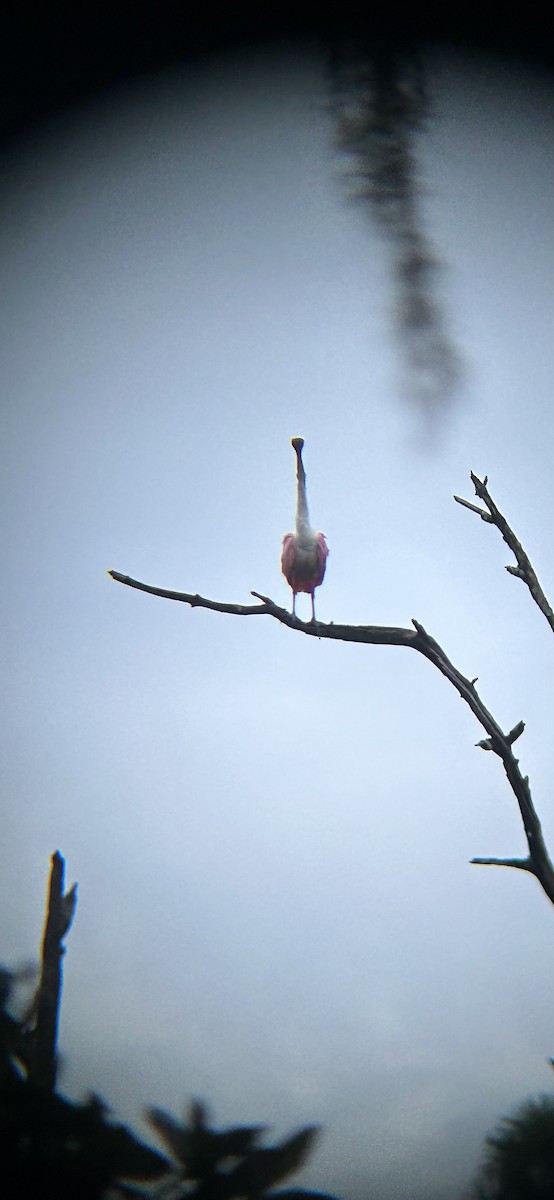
(303, 527)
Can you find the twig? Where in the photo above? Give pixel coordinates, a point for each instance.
(239, 610)
(524, 569)
(59, 915)
(418, 639)
(521, 864)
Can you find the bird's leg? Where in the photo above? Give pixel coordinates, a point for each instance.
(294, 604)
(313, 609)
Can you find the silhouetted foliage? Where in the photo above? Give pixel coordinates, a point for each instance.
(519, 1156)
(50, 1145)
(229, 1163)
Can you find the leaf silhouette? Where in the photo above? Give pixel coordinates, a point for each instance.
(198, 1149)
(51, 1145)
(263, 1168)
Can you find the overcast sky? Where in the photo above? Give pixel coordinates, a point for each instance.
(271, 834)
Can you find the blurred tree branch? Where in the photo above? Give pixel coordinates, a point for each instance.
(59, 916)
(381, 104)
(537, 862)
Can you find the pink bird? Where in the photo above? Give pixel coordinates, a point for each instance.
(304, 556)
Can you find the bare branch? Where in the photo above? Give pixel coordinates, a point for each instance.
(516, 732)
(59, 915)
(521, 864)
(418, 639)
(485, 516)
(511, 737)
(376, 634)
(524, 569)
(239, 610)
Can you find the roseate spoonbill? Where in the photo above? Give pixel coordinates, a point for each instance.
(304, 556)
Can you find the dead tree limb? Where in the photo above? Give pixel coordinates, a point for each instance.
(523, 569)
(538, 863)
(59, 915)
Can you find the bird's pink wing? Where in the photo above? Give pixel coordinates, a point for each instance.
(322, 551)
(288, 558)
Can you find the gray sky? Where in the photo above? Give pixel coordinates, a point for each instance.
(271, 834)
